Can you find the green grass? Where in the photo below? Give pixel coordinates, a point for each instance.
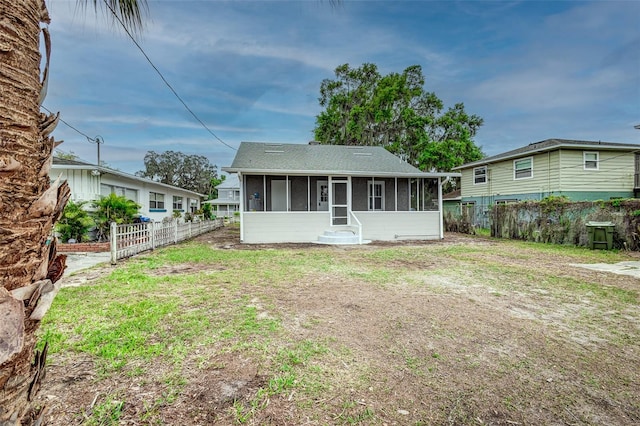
(152, 311)
(106, 412)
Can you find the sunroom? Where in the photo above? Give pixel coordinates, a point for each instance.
(334, 194)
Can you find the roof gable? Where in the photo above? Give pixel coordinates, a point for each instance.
(551, 145)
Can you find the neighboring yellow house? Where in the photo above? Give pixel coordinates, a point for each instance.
(579, 170)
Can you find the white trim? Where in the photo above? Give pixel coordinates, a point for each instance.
(155, 200)
(486, 173)
(440, 208)
(372, 173)
(584, 160)
(395, 189)
(371, 184)
(577, 146)
(530, 168)
(339, 180)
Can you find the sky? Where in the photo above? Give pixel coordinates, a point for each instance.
(251, 70)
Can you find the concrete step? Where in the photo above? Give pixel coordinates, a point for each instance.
(339, 236)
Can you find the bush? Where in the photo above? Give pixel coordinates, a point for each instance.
(206, 211)
(113, 208)
(75, 222)
(559, 221)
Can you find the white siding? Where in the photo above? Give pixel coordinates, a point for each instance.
(304, 227)
(280, 227)
(391, 226)
(84, 186)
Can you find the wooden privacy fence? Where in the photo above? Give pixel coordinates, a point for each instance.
(130, 239)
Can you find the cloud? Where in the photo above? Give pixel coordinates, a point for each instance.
(252, 70)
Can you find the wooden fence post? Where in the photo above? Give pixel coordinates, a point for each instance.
(151, 229)
(113, 239)
(175, 231)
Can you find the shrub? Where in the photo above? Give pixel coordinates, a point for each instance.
(75, 222)
(206, 211)
(559, 221)
(113, 208)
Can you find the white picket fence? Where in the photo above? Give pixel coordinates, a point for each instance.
(130, 239)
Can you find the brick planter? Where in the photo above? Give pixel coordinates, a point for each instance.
(84, 248)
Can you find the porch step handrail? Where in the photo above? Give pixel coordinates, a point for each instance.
(359, 226)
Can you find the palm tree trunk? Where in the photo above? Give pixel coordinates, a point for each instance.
(29, 207)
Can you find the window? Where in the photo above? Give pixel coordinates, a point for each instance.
(480, 175)
(523, 168)
(177, 203)
(591, 160)
(376, 196)
(128, 193)
(156, 201)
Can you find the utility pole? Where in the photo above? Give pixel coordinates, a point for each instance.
(97, 140)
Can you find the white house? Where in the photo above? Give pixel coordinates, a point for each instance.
(334, 194)
(228, 201)
(88, 182)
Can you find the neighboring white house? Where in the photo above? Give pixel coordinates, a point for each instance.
(334, 194)
(228, 201)
(88, 182)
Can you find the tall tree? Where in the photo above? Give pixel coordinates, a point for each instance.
(192, 172)
(363, 107)
(29, 204)
(215, 182)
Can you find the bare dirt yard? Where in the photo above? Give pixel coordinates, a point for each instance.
(464, 331)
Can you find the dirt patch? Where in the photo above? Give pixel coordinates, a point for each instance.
(440, 348)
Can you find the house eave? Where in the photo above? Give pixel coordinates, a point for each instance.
(339, 173)
(218, 201)
(589, 147)
(105, 170)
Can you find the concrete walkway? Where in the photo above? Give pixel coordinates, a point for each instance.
(79, 261)
(631, 267)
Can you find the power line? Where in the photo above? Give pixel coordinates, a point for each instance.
(162, 76)
(69, 125)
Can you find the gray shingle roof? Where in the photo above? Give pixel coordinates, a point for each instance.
(315, 159)
(61, 163)
(230, 182)
(550, 145)
(67, 162)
